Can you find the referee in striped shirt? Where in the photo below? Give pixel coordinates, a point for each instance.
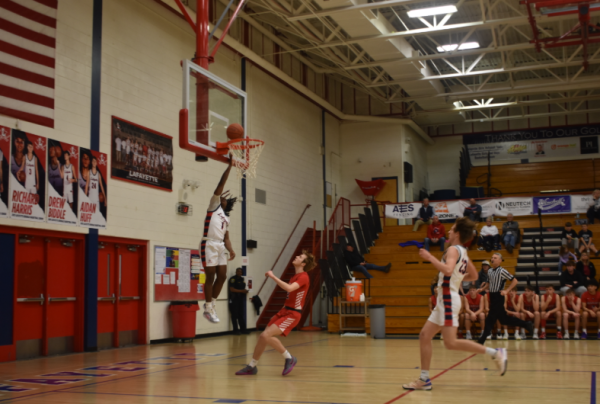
(497, 276)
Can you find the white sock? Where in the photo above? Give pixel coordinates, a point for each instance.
(499, 330)
(253, 363)
(543, 329)
(558, 328)
(213, 303)
(287, 355)
(424, 375)
(491, 352)
(535, 331)
(584, 330)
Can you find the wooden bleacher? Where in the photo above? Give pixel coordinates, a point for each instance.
(533, 178)
(406, 288)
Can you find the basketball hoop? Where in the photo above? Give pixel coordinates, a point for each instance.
(244, 154)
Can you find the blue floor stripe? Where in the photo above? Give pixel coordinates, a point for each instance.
(593, 392)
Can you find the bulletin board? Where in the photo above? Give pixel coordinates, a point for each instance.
(178, 274)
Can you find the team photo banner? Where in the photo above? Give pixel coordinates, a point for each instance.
(91, 185)
(4, 169)
(525, 206)
(141, 155)
(63, 176)
(27, 200)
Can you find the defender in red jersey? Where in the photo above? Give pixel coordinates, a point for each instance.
(590, 301)
(530, 307)
(474, 310)
(287, 318)
(571, 307)
(512, 305)
(551, 310)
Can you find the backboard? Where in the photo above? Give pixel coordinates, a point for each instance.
(210, 104)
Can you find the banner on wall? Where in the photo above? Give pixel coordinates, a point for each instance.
(27, 198)
(63, 177)
(93, 167)
(141, 155)
(4, 169)
(518, 206)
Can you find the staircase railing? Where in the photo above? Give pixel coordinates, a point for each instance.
(339, 219)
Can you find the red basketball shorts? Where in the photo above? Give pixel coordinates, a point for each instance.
(286, 320)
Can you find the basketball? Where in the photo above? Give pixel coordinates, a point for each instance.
(235, 131)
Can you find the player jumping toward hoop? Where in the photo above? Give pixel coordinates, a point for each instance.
(287, 318)
(215, 245)
(454, 267)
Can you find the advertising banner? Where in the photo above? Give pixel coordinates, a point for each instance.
(516, 206)
(92, 189)
(4, 169)
(27, 199)
(403, 211)
(141, 155)
(534, 150)
(581, 203)
(552, 204)
(63, 169)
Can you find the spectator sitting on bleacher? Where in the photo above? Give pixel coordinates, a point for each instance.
(473, 211)
(530, 307)
(425, 215)
(357, 262)
(590, 301)
(585, 240)
(586, 267)
(436, 234)
(489, 237)
(571, 279)
(510, 233)
(593, 212)
(564, 255)
(483, 280)
(569, 237)
(474, 309)
(571, 305)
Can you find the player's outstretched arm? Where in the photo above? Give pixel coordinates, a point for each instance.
(223, 180)
(283, 285)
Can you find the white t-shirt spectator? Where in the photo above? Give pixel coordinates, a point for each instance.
(489, 231)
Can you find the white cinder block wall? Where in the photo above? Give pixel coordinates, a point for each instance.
(141, 82)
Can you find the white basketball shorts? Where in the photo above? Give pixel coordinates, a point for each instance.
(446, 312)
(213, 253)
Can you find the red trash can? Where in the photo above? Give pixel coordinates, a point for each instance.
(184, 319)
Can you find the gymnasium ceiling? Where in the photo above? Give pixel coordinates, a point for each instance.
(378, 47)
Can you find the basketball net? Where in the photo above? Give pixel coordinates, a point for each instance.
(245, 153)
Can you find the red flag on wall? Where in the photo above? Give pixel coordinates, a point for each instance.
(27, 59)
(371, 188)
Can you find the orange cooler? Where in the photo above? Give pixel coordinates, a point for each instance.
(353, 291)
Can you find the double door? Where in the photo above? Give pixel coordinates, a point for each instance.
(48, 309)
(121, 293)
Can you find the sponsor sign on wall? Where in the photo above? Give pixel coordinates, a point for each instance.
(516, 206)
(63, 176)
(447, 210)
(552, 204)
(403, 211)
(27, 198)
(92, 189)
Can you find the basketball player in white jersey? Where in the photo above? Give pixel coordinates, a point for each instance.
(454, 267)
(32, 184)
(69, 177)
(215, 245)
(94, 186)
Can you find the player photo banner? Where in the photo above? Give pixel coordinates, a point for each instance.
(63, 177)
(141, 155)
(4, 169)
(27, 177)
(91, 185)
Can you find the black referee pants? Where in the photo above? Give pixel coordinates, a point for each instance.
(498, 312)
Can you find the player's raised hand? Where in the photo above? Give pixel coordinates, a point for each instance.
(426, 255)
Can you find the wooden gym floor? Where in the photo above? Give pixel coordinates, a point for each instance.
(330, 369)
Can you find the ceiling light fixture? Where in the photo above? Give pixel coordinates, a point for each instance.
(426, 12)
(450, 48)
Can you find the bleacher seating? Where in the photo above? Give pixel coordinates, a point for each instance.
(406, 288)
(533, 178)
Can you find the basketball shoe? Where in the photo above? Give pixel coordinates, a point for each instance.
(566, 335)
(247, 371)
(289, 365)
(501, 360)
(213, 312)
(418, 385)
(559, 335)
(584, 335)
